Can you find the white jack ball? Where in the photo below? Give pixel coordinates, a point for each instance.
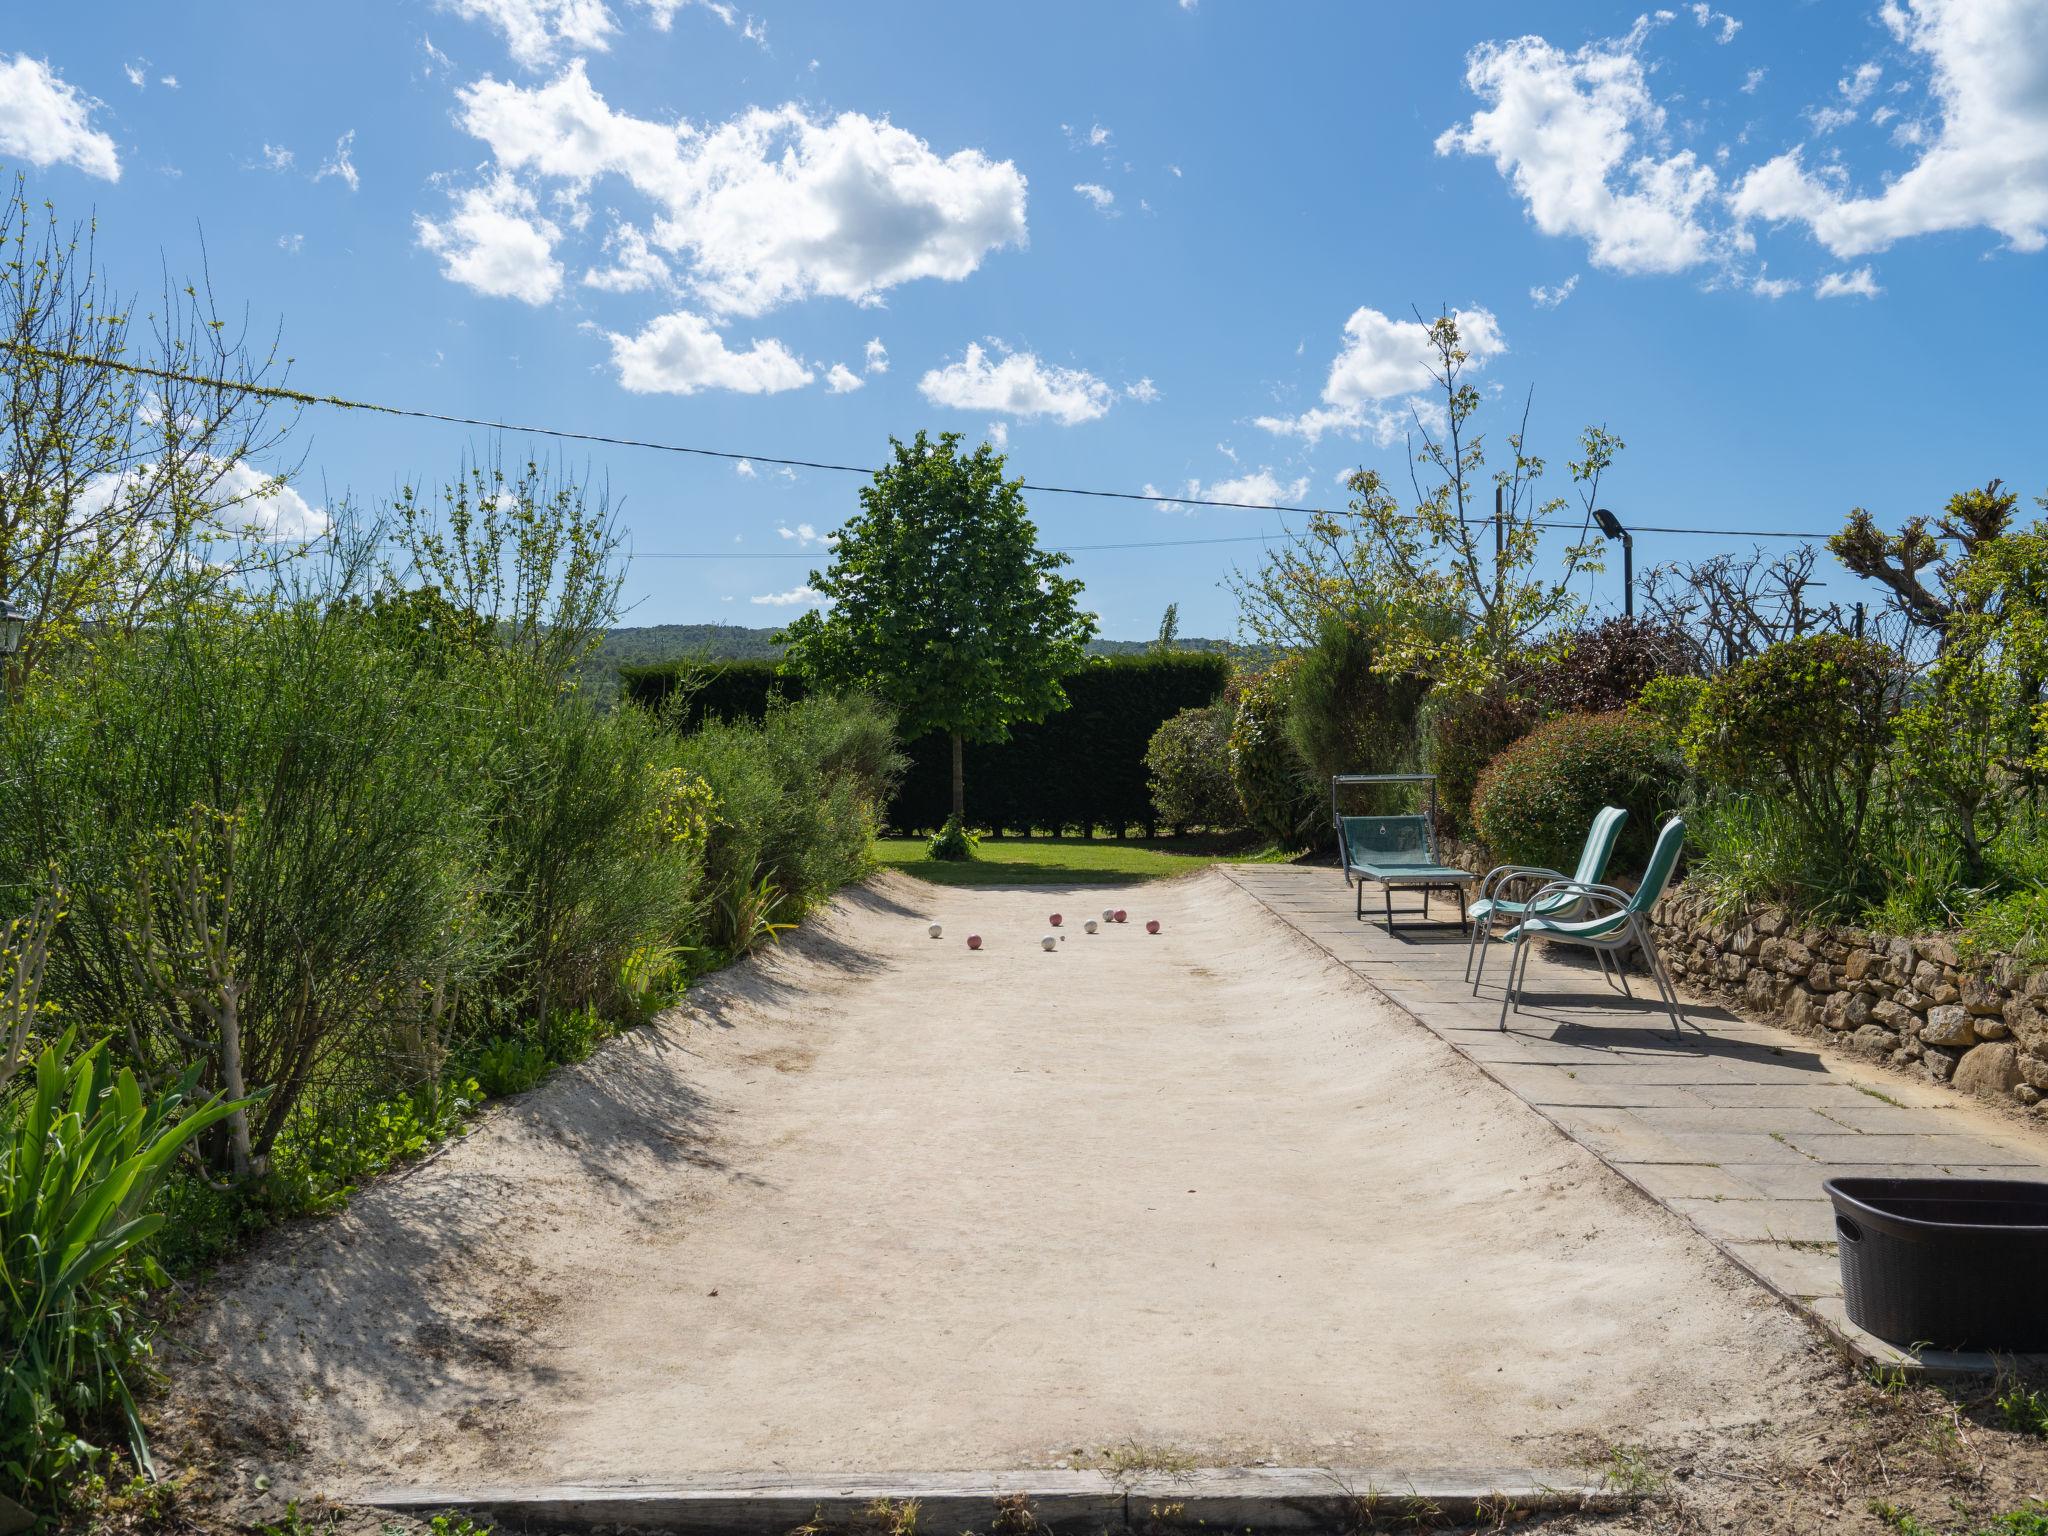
(1109, 914)
(1091, 925)
(938, 930)
(1050, 941)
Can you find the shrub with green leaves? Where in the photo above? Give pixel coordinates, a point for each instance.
(1464, 733)
(1536, 800)
(1188, 760)
(1808, 722)
(1345, 712)
(1668, 703)
(1271, 783)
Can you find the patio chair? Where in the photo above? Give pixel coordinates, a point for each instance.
(1393, 851)
(1617, 921)
(1493, 903)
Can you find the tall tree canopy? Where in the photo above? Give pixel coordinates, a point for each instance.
(943, 603)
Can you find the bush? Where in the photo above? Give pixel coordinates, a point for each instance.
(1463, 734)
(1807, 722)
(953, 842)
(1343, 716)
(1189, 762)
(1267, 774)
(1536, 801)
(1606, 666)
(1668, 704)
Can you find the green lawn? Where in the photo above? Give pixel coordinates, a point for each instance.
(1071, 860)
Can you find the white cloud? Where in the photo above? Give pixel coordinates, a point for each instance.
(497, 243)
(1753, 79)
(1258, 487)
(291, 245)
(138, 74)
(790, 598)
(45, 121)
(1577, 135)
(168, 82)
(1857, 88)
(263, 507)
(744, 468)
(1986, 165)
(342, 164)
(1099, 195)
(1144, 391)
(1838, 285)
(635, 264)
(535, 29)
(1707, 16)
(1827, 119)
(1020, 385)
(1382, 358)
(679, 354)
(804, 536)
(773, 205)
(277, 158)
(998, 434)
(1550, 298)
(1767, 287)
(877, 356)
(842, 380)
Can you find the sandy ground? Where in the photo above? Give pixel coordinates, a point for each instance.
(875, 1202)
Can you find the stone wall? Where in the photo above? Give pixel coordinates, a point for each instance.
(1905, 1001)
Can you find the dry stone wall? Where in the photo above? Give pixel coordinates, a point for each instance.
(1906, 1001)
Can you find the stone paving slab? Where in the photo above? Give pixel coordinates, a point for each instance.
(1734, 1127)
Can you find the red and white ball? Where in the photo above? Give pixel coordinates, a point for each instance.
(974, 941)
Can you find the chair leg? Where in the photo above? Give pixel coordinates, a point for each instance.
(1654, 963)
(1390, 907)
(1507, 994)
(1477, 931)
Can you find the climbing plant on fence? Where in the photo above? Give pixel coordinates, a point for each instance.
(1080, 769)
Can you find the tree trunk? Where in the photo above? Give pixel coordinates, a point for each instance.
(959, 782)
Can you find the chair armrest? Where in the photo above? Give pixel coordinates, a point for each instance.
(1507, 874)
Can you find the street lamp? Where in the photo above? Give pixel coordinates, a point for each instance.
(13, 620)
(1610, 526)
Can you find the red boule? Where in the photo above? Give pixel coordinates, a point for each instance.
(1152, 925)
(1055, 919)
(974, 941)
(1122, 915)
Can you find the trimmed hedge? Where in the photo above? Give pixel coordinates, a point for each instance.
(1536, 800)
(1082, 769)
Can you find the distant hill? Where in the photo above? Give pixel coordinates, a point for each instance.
(641, 645)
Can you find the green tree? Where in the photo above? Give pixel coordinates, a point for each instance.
(942, 602)
(1169, 629)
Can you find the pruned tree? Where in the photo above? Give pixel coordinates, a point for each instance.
(1728, 608)
(942, 603)
(1903, 562)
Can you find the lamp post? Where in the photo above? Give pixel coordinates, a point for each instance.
(13, 620)
(1610, 526)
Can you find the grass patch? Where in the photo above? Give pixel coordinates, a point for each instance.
(1071, 860)
(1131, 1459)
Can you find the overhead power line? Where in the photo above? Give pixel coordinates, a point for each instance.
(300, 397)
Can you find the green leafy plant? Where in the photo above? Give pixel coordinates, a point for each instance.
(510, 1065)
(2025, 1410)
(1188, 760)
(1348, 711)
(1464, 733)
(1271, 782)
(954, 842)
(1668, 704)
(1808, 722)
(81, 1155)
(1536, 800)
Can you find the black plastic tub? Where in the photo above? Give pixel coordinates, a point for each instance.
(1945, 1263)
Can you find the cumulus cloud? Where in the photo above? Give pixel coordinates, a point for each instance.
(804, 536)
(1144, 391)
(1018, 384)
(1985, 165)
(1577, 134)
(772, 206)
(998, 434)
(277, 158)
(1841, 285)
(1258, 487)
(46, 121)
(842, 380)
(877, 356)
(1767, 287)
(536, 30)
(1381, 359)
(1550, 298)
(1100, 196)
(264, 507)
(1724, 26)
(791, 598)
(1753, 79)
(744, 468)
(680, 353)
(496, 242)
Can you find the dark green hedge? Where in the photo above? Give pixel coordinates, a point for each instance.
(1080, 770)
(726, 690)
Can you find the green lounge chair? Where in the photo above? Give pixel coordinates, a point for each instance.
(1618, 921)
(1494, 904)
(1392, 851)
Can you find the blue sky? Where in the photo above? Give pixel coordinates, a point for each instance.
(1791, 253)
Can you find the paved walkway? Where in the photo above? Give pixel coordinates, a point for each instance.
(1733, 1128)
